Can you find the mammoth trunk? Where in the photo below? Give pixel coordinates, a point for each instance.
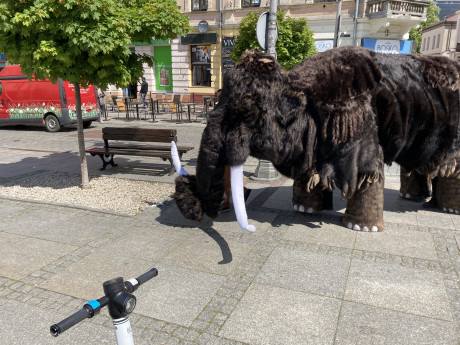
(203, 193)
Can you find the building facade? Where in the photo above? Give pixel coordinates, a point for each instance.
(197, 61)
(442, 38)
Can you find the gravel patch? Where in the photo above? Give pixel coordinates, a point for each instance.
(106, 193)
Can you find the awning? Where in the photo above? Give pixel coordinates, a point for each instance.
(199, 38)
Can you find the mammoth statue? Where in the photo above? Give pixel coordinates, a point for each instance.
(333, 121)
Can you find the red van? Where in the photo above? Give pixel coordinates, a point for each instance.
(42, 103)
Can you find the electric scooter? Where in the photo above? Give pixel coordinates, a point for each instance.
(120, 301)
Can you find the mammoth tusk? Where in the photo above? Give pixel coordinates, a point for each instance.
(236, 173)
(176, 160)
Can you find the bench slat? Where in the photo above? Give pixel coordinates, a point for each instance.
(138, 137)
(139, 131)
(181, 149)
(132, 152)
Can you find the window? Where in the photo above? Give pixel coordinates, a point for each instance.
(428, 43)
(201, 65)
(439, 38)
(434, 42)
(1, 89)
(251, 3)
(199, 5)
(423, 45)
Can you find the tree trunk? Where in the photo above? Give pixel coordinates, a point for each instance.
(81, 140)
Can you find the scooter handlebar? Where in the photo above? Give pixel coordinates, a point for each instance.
(93, 307)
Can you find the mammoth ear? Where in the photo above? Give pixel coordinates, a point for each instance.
(338, 83)
(254, 61)
(440, 71)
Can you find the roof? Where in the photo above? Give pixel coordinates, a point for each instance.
(447, 7)
(11, 71)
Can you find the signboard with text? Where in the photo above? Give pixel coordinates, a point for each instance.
(387, 46)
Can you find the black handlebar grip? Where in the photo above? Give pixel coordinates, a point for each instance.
(147, 276)
(132, 285)
(71, 321)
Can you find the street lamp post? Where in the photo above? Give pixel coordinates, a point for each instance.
(265, 169)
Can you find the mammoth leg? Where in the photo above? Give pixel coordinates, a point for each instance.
(364, 210)
(309, 200)
(447, 193)
(414, 187)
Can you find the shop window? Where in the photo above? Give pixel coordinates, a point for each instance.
(199, 5)
(251, 3)
(201, 65)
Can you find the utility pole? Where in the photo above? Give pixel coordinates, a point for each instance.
(337, 23)
(265, 169)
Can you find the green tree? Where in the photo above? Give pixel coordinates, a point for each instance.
(85, 41)
(432, 17)
(295, 39)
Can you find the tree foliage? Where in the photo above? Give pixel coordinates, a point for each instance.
(432, 17)
(295, 39)
(85, 41)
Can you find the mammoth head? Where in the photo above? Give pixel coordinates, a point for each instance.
(258, 114)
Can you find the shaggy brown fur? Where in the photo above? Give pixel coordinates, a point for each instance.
(340, 114)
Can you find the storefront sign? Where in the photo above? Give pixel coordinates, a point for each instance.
(323, 45)
(199, 38)
(387, 46)
(228, 42)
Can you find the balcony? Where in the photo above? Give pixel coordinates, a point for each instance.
(394, 9)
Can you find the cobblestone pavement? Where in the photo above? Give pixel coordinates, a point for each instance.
(298, 280)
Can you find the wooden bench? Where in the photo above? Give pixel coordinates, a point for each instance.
(161, 149)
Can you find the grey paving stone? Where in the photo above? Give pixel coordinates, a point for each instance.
(364, 324)
(22, 256)
(226, 222)
(415, 244)
(281, 199)
(8, 207)
(305, 271)
(170, 214)
(84, 278)
(148, 243)
(272, 315)
(436, 221)
(404, 289)
(36, 219)
(32, 327)
(321, 233)
(400, 217)
(177, 295)
(209, 252)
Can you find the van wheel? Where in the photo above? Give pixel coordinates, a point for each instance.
(52, 124)
(86, 124)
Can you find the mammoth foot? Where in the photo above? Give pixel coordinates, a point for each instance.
(364, 210)
(358, 227)
(447, 193)
(310, 202)
(414, 187)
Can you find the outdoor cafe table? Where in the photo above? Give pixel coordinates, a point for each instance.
(189, 106)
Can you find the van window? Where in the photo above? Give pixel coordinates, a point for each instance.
(1, 88)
